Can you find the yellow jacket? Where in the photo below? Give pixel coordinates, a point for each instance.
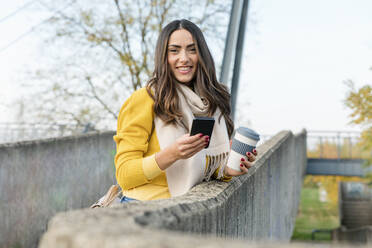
(137, 172)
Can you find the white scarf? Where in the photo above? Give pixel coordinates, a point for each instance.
(183, 174)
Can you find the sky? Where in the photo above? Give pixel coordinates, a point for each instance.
(297, 54)
(296, 59)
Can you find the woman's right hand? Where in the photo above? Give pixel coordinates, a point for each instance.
(185, 147)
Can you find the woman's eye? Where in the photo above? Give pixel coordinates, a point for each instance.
(173, 50)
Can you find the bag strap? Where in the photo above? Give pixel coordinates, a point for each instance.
(115, 190)
(109, 197)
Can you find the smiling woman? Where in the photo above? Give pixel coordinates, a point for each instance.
(156, 155)
(182, 56)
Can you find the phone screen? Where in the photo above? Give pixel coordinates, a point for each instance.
(202, 125)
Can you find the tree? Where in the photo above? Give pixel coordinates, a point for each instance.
(360, 102)
(97, 52)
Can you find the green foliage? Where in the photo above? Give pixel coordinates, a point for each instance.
(314, 214)
(360, 103)
(330, 185)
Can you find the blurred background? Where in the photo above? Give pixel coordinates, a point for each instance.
(66, 67)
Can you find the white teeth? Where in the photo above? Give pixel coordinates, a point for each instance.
(184, 68)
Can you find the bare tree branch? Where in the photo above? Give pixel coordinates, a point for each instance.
(125, 37)
(99, 99)
(113, 45)
(144, 45)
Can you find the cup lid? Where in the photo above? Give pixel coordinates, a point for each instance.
(247, 132)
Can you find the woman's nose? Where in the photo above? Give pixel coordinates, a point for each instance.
(184, 57)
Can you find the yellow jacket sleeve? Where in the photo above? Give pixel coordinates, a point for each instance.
(134, 129)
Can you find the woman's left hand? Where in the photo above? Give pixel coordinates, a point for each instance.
(245, 164)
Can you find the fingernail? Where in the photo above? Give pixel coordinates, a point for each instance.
(201, 135)
(249, 154)
(241, 165)
(254, 150)
(242, 159)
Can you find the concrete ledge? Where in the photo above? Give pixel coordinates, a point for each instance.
(42, 177)
(259, 206)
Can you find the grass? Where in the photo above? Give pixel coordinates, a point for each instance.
(314, 214)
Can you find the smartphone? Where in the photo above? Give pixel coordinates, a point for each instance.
(202, 125)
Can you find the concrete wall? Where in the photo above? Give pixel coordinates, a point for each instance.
(355, 211)
(40, 178)
(356, 236)
(261, 205)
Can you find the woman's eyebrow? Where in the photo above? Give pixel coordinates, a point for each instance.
(178, 46)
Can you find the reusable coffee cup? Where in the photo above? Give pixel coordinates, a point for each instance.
(245, 140)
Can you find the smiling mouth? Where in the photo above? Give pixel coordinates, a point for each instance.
(184, 69)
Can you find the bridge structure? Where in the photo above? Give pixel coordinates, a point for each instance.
(43, 178)
(336, 153)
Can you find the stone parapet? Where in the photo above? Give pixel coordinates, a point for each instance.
(42, 177)
(259, 206)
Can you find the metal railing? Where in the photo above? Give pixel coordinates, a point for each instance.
(332, 144)
(335, 145)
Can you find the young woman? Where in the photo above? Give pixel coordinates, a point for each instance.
(156, 156)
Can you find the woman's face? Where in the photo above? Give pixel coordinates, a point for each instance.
(182, 55)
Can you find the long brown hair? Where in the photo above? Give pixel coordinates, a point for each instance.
(164, 84)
